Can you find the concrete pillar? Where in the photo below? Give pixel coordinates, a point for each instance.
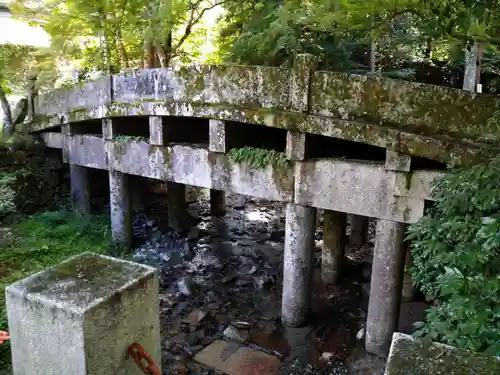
(385, 287)
(298, 263)
(359, 231)
(176, 206)
(80, 188)
(217, 136)
(295, 145)
(120, 206)
(217, 202)
(80, 317)
(156, 136)
(334, 241)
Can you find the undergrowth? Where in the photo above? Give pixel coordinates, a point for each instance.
(45, 240)
(258, 158)
(456, 254)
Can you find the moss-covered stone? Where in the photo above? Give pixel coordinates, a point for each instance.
(414, 357)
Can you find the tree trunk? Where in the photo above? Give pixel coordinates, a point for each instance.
(8, 126)
(149, 51)
(123, 51)
(470, 73)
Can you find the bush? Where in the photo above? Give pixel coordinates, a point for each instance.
(456, 251)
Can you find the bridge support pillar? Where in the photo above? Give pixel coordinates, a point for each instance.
(386, 286)
(176, 206)
(217, 202)
(80, 188)
(298, 264)
(359, 231)
(334, 241)
(120, 207)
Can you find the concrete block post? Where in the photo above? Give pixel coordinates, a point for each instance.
(385, 287)
(303, 68)
(176, 206)
(295, 145)
(120, 207)
(359, 231)
(81, 316)
(334, 241)
(80, 189)
(156, 136)
(298, 264)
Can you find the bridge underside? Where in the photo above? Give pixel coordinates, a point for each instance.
(314, 172)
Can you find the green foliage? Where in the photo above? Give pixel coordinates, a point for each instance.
(7, 194)
(129, 138)
(258, 158)
(456, 253)
(44, 240)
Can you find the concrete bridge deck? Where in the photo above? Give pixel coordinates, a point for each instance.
(345, 144)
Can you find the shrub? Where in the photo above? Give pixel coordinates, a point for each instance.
(456, 251)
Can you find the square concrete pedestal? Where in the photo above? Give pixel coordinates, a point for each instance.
(81, 316)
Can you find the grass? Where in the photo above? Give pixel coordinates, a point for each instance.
(44, 240)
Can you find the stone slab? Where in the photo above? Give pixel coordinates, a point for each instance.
(416, 357)
(81, 316)
(234, 359)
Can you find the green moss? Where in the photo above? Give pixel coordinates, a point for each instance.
(129, 138)
(259, 158)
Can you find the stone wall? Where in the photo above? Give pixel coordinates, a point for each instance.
(32, 178)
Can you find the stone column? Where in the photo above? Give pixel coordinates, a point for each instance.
(217, 202)
(176, 206)
(385, 287)
(120, 206)
(80, 189)
(359, 231)
(334, 241)
(298, 263)
(80, 317)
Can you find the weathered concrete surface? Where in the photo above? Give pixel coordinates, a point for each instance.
(302, 71)
(80, 189)
(395, 161)
(52, 139)
(255, 86)
(334, 241)
(80, 317)
(359, 231)
(298, 264)
(355, 188)
(418, 184)
(217, 202)
(217, 136)
(73, 99)
(86, 150)
(416, 357)
(295, 145)
(413, 107)
(120, 207)
(385, 287)
(156, 130)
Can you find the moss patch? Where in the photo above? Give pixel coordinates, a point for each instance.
(259, 158)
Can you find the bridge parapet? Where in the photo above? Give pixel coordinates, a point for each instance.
(407, 106)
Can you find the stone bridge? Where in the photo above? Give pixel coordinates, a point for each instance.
(345, 144)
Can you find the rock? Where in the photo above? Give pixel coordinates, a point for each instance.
(185, 286)
(361, 334)
(178, 369)
(233, 333)
(228, 279)
(195, 317)
(327, 357)
(241, 325)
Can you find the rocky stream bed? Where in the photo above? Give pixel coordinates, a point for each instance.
(220, 291)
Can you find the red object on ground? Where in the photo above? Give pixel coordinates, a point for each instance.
(139, 355)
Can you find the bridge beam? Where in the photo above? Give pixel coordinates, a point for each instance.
(385, 287)
(80, 189)
(334, 241)
(298, 264)
(120, 208)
